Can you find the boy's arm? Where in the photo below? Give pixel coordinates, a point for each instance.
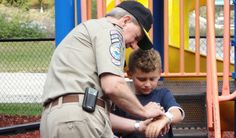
(161, 125)
(177, 114)
(155, 128)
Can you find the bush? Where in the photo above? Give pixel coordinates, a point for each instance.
(17, 3)
(15, 28)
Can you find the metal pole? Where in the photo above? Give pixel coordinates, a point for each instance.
(75, 13)
(234, 73)
(64, 18)
(233, 43)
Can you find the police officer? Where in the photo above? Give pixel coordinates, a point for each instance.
(92, 56)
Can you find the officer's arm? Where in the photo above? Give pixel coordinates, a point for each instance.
(127, 125)
(116, 88)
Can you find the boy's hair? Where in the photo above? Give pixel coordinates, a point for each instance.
(145, 60)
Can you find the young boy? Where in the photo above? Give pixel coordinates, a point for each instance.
(144, 68)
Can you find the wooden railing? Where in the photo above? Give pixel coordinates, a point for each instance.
(212, 82)
(182, 72)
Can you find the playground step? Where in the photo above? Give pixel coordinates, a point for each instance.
(195, 122)
(190, 132)
(191, 97)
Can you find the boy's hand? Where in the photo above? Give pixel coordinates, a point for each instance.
(157, 127)
(144, 124)
(153, 109)
(165, 130)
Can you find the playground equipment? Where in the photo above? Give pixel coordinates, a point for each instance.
(189, 56)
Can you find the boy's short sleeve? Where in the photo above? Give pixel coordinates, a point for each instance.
(168, 99)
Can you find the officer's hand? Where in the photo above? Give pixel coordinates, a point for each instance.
(153, 109)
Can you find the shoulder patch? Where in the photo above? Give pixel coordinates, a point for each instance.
(116, 62)
(115, 51)
(116, 37)
(116, 47)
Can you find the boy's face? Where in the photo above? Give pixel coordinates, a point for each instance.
(144, 83)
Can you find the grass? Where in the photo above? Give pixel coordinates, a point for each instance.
(25, 56)
(31, 57)
(29, 109)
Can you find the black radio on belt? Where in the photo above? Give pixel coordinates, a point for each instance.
(90, 99)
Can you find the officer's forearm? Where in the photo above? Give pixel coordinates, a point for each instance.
(122, 124)
(126, 100)
(118, 91)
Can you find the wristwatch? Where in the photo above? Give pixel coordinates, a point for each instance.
(136, 125)
(169, 116)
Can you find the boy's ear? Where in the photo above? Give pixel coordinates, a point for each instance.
(129, 74)
(160, 71)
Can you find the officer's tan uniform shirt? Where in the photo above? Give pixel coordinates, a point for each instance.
(94, 47)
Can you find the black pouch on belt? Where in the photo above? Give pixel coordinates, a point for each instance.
(90, 99)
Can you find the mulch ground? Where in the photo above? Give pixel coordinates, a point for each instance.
(10, 120)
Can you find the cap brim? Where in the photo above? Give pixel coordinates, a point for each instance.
(145, 43)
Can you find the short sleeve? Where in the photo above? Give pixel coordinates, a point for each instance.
(109, 51)
(168, 99)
